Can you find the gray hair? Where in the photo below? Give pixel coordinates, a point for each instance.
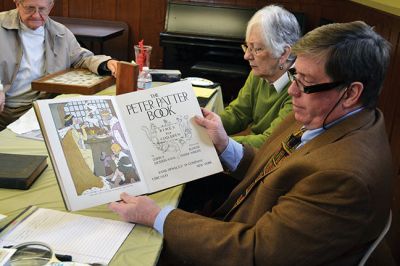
(353, 52)
(280, 28)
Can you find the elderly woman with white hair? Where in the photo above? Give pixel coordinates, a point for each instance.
(263, 101)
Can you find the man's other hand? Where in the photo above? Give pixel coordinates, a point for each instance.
(141, 209)
(213, 124)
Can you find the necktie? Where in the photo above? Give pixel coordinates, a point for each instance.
(286, 148)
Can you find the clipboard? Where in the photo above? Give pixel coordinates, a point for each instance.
(19, 218)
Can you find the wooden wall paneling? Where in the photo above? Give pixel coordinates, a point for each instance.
(239, 3)
(223, 2)
(312, 9)
(80, 9)
(330, 11)
(246, 3)
(151, 24)
(104, 9)
(391, 102)
(395, 129)
(129, 11)
(8, 4)
(57, 9)
(65, 8)
(390, 94)
(392, 239)
(211, 2)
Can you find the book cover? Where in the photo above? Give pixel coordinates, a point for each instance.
(19, 171)
(139, 142)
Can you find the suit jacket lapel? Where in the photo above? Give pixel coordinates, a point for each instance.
(334, 133)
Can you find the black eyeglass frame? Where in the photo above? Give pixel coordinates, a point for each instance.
(313, 88)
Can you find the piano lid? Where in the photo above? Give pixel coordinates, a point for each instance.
(221, 21)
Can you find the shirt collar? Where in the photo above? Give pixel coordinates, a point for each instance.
(281, 82)
(312, 133)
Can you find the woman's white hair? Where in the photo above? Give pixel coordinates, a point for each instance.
(279, 28)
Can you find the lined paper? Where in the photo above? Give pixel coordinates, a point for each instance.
(86, 239)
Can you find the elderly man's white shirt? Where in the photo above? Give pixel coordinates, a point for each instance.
(32, 64)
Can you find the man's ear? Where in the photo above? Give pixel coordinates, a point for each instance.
(352, 95)
(51, 5)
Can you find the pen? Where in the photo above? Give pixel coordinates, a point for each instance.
(62, 257)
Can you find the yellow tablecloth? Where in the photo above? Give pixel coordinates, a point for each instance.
(143, 245)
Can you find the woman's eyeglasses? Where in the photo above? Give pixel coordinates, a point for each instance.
(252, 50)
(313, 88)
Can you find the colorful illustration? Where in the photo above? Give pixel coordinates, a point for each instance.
(94, 145)
(125, 172)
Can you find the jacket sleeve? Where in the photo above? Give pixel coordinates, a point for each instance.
(83, 58)
(310, 225)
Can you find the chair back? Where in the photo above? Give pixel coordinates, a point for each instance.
(377, 241)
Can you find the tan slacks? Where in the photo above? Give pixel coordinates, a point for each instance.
(9, 115)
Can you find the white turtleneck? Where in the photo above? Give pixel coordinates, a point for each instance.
(32, 64)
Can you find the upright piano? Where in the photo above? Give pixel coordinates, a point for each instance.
(204, 41)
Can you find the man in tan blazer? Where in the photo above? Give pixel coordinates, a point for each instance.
(326, 201)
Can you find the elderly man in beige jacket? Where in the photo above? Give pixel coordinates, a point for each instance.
(33, 45)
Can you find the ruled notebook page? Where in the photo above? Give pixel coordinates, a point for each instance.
(86, 239)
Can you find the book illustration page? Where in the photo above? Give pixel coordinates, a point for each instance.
(95, 148)
(77, 77)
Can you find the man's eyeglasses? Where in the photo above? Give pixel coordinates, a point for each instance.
(33, 9)
(312, 88)
(252, 50)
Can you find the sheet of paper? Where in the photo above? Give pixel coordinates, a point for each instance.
(2, 216)
(86, 239)
(34, 134)
(203, 92)
(25, 123)
(5, 254)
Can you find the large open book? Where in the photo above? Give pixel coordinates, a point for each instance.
(139, 142)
